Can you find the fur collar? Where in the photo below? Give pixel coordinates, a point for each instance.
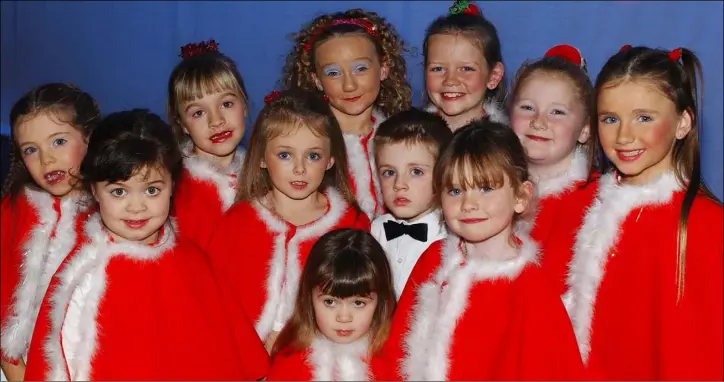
(284, 268)
(494, 110)
(559, 183)
(339, 362)
(41, 257)
(363, 170)
(201, 169)
(441, 301)
(597, 236)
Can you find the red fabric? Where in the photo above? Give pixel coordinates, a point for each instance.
(510, 330)
(372, 172)
(242, 247)
(639, 332)
(556, 223)
(197, 208)
(290, 365)
(162, 319)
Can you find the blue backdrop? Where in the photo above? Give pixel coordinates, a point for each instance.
(122, 52)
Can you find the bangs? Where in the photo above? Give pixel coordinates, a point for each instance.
(203, 80)
(349, 275)
(283, 122)
(125, 160)
(470, 171)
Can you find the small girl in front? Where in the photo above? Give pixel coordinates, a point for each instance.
(41, 212)
(550, 110)
(342, 312)
(293, 189)
(355, 59)
(133, 300)
(646, 281)
(477, 306)
(464, 72)
(206, 107)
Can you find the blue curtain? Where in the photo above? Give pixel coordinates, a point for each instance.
(122, 52)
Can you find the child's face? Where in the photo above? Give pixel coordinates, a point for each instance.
(343, 320)
(52, 151)
(405, 172)
(638, 126)
(296, 162)
(349, 72)
(457, 75)
(549, 118)
(136, 209)
(477, 215)
(215, 123)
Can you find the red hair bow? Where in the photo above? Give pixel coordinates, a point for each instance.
(568, 53)
(272, 96)
(675, 55)
(624, 48)
(464, 6)
(192, 49)
(370, 28)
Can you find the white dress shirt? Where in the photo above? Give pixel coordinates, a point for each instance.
(403, 252)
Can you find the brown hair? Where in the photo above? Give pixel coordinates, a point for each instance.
(197, 76)
(678, 81)
(481, 32)
(561, 68)
(342, 263)
(293, 109)
(488, 150)
(395, 93)
(67, 103)
(414, 126)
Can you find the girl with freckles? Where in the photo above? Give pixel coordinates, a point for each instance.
(293, 189)
(646, 282)
(477, 305)
(355, 60)
(133, 298)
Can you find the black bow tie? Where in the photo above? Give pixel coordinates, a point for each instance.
(394, 230)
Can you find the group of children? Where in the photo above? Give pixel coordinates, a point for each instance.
(557, 231)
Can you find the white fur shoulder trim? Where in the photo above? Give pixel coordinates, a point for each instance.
(364, 170)
(557, 184)
(595, 239)
(284, 268)
(494, 110)
(201, 169)
(339, 362)
(441, 301)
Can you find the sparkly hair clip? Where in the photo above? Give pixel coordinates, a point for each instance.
(569, 53)
(370, 28)
(192, 49)
(272, 96)
(675, 55)
(624, 48)
(465, 7)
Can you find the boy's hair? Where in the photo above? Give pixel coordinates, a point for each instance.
(126, 142)
(414, 126)
(342, 263)
(67, 104)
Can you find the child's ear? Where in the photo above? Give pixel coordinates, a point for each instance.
(331, 163)
(93, 192)
(495, 76)
(524, 197)
(263, 163)
(317, 82)
(684, 126)
(585, 134)
(384, 71)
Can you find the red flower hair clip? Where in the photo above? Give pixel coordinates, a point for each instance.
(272, 96)
(370, 28)
(192, 49)
(624, 48)
(569, 53)
(465, 7)
(675, 55)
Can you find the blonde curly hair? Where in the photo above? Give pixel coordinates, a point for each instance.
(395, 93)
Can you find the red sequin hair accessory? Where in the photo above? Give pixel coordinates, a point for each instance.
(624, 48)
(675, 55)
(192, 49)
(569, 53)
(370, 28)
(464, 7)
(272, 96)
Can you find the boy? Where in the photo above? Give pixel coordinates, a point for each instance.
(406, 148)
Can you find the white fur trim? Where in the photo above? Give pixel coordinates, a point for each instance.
(339, 362)
(597, 236)
(362, 167)
(559, 183)
(76, 298)
(201, 169)
(42, 255)
(284, 267)
(437, 309)
(494, 111)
